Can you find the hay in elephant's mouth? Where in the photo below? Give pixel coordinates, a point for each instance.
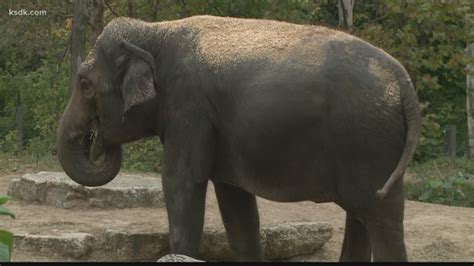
(90, 143)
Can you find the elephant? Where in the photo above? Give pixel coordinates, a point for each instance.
(258, 107)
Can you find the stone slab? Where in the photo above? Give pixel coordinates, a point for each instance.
(68, 246)
(57, 189)
(279, 241)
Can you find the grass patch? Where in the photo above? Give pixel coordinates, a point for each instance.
(24, 162)
(447, 181)
(143, 156)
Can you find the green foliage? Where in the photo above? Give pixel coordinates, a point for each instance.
(452, 190)
(3, 210)
(431, 140)
(428, 38)
(443, 181)
(6, 238)
(5, 253)
(143, 155)
(32, 75)
(9, 142)
(442, 167)
(42, 95)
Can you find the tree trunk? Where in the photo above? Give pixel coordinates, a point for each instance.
(19, 117)
(78, 39)
(345, 13)
(450, 140)
(470, 87)
(130, 12)
(96, 19)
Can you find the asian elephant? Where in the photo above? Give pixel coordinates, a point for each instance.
(260, 108)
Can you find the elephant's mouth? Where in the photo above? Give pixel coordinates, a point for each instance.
(93, 144)
(85, 158)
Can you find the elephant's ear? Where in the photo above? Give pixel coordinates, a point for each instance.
(138, 83)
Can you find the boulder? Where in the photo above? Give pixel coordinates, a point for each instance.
(65, 246)
(57, 189)
(132, 245)
(279, 241)
(287, 240)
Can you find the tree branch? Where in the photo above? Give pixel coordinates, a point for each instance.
(67, 47)
(110, 8)
(373, 20)
(344, 13)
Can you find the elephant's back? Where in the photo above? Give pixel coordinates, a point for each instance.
(223, 43)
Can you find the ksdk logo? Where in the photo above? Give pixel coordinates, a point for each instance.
(21, 12)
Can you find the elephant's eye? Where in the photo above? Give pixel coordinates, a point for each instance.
(84, 84)
(86, 88)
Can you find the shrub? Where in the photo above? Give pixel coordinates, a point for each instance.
(143, 155)
(443, 181)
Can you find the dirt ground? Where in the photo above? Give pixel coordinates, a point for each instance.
(432, 232)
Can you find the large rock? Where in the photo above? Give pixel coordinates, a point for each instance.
(65, 246)
(291, 239)
(132, 245)
(57, 189)
(278, 241)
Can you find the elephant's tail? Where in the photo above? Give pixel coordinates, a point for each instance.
(412, 118)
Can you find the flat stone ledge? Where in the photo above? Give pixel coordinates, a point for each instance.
(68, 246)
(279, 241)
(57, 189)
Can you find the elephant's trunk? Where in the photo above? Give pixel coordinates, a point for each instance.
(84, 157)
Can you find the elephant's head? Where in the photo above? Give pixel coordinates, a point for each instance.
(115, 77)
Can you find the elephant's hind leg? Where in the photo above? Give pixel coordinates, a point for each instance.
(356, 244)
(240, 216)
(386, 230)
(387, 242)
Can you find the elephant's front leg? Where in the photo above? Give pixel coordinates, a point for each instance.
(240, 216)
(187, 160)
(185, 201)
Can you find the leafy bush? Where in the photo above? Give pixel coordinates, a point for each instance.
(6, 237)
(42, 93)
(143, 155)
(430, 143)
(443, 181)
(429, 39)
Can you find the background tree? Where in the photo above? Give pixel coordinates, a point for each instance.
(78, 39)
(96, 11)
(345, 13)
(470, 81)
(130, 11)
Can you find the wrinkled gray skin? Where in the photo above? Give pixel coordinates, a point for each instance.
(285, 112)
